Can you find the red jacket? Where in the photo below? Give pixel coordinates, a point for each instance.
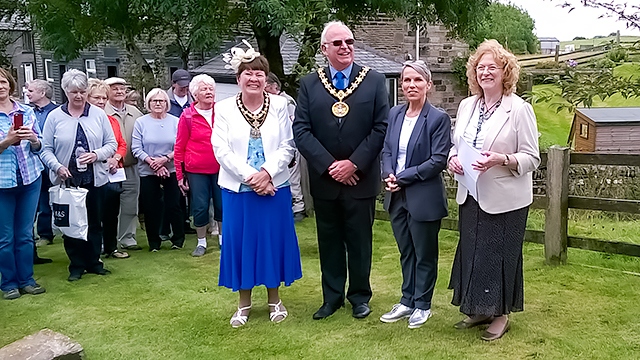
(193, 151)
(122, 144)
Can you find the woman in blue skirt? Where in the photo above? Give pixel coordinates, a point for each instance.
(253, 142)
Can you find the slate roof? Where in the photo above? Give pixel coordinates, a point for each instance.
(613, 116)
(13, 24)
(548, 39)
(364, 55)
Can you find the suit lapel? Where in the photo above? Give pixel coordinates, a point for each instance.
(395, 134)
(462, 121)
(417, 130)
(355, 69)
(498, 119)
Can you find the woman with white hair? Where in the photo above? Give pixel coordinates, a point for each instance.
(77, 141)
(152, 142)
(196, 166)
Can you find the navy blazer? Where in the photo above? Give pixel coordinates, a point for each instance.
(322, 138)
(427, 153)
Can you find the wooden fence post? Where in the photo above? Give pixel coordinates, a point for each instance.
(557, 212)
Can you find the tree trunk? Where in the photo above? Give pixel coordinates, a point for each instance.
(148, 79)
(269, 46)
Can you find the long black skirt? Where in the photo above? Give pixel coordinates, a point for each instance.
(487, 270)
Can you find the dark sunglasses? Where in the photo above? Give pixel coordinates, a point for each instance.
(337, 43)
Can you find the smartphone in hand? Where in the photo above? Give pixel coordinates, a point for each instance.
(18, 121)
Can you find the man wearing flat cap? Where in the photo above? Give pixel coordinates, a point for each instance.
(128, 204)
(179, 96)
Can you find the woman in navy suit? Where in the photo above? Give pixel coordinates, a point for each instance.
(414, 155)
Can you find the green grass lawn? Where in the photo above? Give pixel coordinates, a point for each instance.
(627, 69)
(167, 305)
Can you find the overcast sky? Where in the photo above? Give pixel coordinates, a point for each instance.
(555, 21)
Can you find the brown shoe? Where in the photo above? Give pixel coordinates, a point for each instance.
(487, 336)
(463, 325)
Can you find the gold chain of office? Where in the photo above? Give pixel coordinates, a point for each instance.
(340, 108)
(254, 120)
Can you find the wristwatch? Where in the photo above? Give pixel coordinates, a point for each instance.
(506, 160)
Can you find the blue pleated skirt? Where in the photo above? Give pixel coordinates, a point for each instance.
(260, 246)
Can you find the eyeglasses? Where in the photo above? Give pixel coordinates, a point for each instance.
(337, 43)
(158, 101)
(491, 68)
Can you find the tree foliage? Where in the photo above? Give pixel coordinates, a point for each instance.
(305, 19)
(580, 87)
(66, 27)
(510, 25)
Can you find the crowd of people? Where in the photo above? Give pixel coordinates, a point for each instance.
(243, 157)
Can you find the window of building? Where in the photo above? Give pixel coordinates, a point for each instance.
(112, 71)
(27, 42)
(90, 68)
(584, 131)
(48, 70)
(28, 72)
(62, 68)
(392, 90)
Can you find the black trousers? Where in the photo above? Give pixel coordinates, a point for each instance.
(85, 255)
(110, 216)
(165, 227)
(418, 246)
(151, 198)
(344, 242)
(43, 217)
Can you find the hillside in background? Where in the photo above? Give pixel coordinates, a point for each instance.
(628, 40)
(554, 127)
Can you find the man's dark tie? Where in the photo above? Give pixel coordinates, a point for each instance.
(341, 81)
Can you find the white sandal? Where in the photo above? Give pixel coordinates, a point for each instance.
(277, 312)
(238, 320)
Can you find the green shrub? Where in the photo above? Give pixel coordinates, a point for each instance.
(550, 64)
(604, 63)
(459, 68)
(618, 55)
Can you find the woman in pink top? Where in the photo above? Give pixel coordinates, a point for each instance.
(196, 166)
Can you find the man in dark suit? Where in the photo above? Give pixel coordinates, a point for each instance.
(339, 128)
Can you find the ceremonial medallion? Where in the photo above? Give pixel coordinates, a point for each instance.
(340, 108)
(254, 120)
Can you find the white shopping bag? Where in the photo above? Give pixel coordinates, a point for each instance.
(69, 211)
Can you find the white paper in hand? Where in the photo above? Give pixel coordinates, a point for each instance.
(468, 155)
(118, 176)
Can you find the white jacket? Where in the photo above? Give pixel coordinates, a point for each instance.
(514, 132)
(230, 140)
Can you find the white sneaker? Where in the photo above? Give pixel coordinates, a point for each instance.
(418, 318)
(220, 241)
(398, 311)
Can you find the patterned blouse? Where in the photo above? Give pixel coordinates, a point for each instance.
(19, 162)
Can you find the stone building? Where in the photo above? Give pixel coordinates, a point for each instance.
(19, 56)
(397, 38)
(30, 61)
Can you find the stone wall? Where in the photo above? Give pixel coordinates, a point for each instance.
(397, 39)
(601, 181)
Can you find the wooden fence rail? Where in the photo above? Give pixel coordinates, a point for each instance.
(557, 202)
